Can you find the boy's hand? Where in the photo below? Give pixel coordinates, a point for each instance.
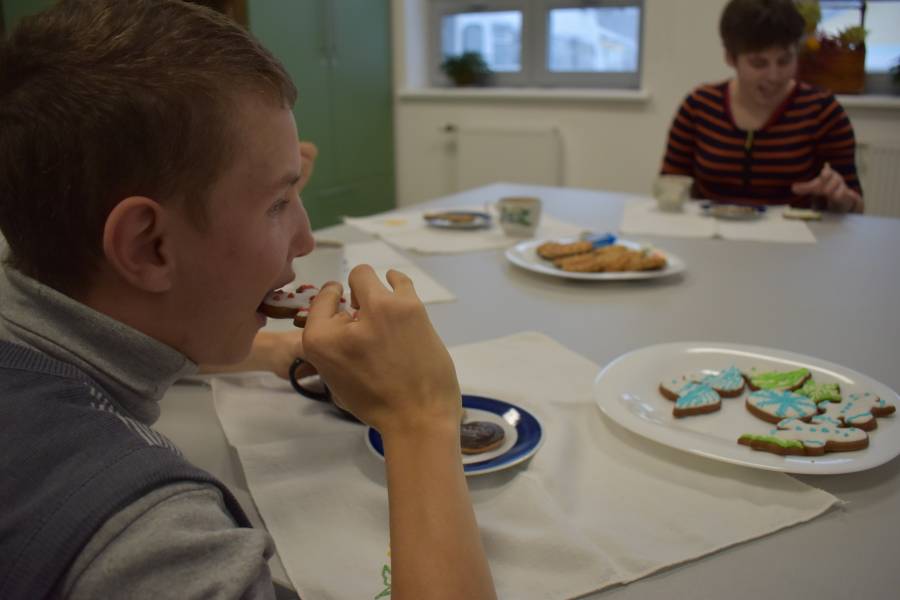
(386, 363)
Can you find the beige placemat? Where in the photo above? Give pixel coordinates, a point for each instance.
(408, 230)
(642, 217)
(596, 506)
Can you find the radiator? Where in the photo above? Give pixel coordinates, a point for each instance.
(879, 172)
(489, 154)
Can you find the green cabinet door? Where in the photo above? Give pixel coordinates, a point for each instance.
(297, 33)
(338, 54)
(363, 99)
(14, 10)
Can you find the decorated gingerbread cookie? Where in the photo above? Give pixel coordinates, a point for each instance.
(793, 436)
(728, 383)
(775, 405)
(777, 380)
(691, 398)
(820, 392)
(856, 410)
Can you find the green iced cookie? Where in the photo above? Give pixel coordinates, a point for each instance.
(779, 380)
(821, 392)
(770, 439)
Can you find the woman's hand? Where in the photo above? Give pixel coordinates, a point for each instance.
(830, 185)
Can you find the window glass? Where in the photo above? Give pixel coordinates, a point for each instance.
(882, 26)
(593, 39)
(496, 35)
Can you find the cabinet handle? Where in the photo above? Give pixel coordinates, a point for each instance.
(332, 33)
(323, 29)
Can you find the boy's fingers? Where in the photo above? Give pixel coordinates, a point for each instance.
(400, 282)
(326, 303)
(363, 283)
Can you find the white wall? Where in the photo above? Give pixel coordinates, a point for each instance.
(615, 145)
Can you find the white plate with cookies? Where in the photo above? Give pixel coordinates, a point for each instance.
(627, 391)
(525, 255)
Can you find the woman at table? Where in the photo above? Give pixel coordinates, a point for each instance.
(762, 137)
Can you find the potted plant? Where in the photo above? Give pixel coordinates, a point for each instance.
(469, 68)
(835, 62)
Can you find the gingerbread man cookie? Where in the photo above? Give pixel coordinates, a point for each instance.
(857, 410)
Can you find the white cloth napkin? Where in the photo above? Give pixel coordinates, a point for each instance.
(596, 506)
(408, 230)
(643, 217)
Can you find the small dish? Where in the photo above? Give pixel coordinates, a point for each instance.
(517, 448)
(736, 212)
(458, 219)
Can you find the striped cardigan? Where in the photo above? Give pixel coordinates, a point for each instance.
(730, 164)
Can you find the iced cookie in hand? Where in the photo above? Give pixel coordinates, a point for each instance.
(292, 303)
(690, 398)
(793, 436)
(775, 405)
(856, 410)
(777, 380)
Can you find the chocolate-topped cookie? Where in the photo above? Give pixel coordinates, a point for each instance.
(480, 436)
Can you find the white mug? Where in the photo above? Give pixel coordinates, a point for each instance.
(519, 215)
(672, 191)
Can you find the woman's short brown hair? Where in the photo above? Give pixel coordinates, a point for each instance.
(105, 99)
(753, 25)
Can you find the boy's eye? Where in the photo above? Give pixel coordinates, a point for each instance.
(279, 206)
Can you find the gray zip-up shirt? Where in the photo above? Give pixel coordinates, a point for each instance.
(178, 541)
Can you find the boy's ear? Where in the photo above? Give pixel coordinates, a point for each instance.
(136, 245)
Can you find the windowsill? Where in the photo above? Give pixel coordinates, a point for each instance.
(876, 101)
(523, 94)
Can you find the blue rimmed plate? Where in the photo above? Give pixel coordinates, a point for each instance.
(735, 212)
(524, 435)
(458, 219)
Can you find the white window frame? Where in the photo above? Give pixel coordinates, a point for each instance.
(535, 18)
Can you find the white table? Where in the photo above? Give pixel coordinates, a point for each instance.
(836, 300)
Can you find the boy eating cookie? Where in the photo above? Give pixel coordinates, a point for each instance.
(149, 174)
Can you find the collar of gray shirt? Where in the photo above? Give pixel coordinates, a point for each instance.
(135, 369)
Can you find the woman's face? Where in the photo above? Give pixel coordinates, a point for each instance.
(765, 76)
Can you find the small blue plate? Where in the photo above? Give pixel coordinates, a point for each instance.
(530, 435)
(725, 210)
(458, 219)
